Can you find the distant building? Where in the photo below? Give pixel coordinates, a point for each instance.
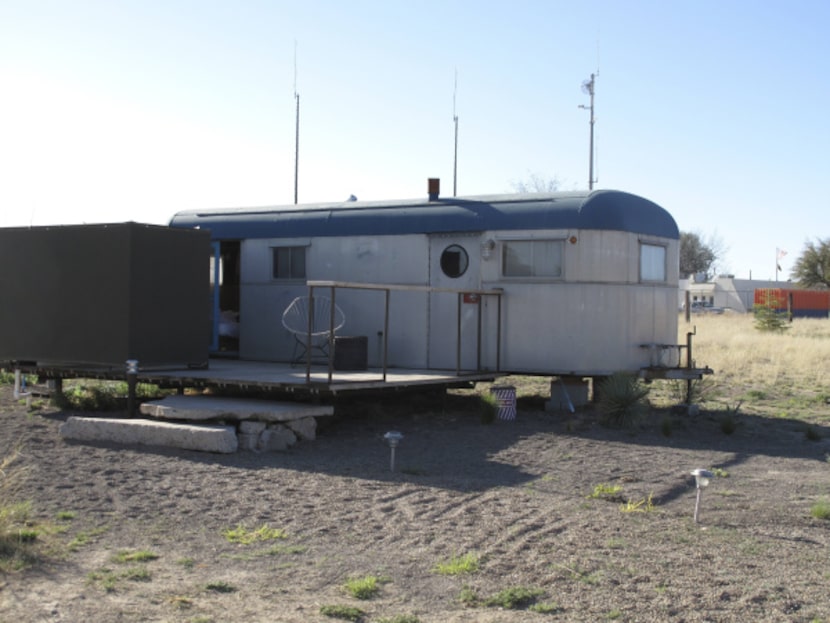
(725, 291)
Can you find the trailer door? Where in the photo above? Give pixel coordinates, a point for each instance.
(454, 263)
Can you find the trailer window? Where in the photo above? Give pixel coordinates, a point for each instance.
(288, 262)
(652, 262)
(532, 258)
(454, 261)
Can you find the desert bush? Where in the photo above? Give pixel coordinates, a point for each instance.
(622, 400)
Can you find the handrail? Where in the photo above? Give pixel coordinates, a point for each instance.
(388, 289)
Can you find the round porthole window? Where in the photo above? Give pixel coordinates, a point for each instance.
(454, 261)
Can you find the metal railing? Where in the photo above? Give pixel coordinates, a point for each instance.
(387, 289)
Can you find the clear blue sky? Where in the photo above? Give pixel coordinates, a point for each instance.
(133, 110)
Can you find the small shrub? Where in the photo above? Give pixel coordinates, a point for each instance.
(622, 400)
(65, 515)
(346, 613)
(242, 535)
(136, 556)
(106, 579)
(604, 490)
(468, 596)
(768, 319)
(457, 565)
(363, 588)
(548, 607)
(489, 408)
(728, 425)
(812, 434)
(137, 574)
(514, 598)
(821, 510)
(401, 618)
(220, 587)
(646, 505)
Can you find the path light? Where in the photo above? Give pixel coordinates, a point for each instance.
(702, 478)
(132, 381)
(393, 437)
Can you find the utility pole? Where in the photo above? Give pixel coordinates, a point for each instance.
(588, 87)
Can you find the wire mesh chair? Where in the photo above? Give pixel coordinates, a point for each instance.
(318, 312)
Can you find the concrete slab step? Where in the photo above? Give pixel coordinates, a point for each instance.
(201, 408)
(201, 437)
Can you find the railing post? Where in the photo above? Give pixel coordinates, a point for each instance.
(385, 332)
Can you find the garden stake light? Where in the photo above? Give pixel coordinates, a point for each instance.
(393, 437)
(702, 478)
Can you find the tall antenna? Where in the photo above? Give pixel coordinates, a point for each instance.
(455, 154)
(588, 87)
(296, 128)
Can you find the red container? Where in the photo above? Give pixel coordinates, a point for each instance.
(801, 303)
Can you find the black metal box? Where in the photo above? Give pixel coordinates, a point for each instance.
(103, 294)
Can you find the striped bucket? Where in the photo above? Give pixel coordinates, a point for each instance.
(506, 396)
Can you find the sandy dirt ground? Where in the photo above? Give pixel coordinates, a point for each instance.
(515, 496)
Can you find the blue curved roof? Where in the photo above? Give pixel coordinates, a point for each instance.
(600, 209)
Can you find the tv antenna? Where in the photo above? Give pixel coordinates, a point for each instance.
(589, 87)
(455, 153)
(296, 128)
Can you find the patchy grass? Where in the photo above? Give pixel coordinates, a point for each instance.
(645, 505)
(244, 536)
(821, 510)
(401, 618)
(134, 556)
(458, 565)
(365, 587)
(605, 491)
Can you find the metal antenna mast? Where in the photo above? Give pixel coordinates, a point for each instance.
(588, 87)
(455, 154)
(296, 128)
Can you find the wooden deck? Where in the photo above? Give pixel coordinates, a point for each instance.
(283, 376)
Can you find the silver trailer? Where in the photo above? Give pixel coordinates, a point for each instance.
(576, 284)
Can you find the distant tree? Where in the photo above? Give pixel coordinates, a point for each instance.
(812, 269)
(698, 255)
(536, 183)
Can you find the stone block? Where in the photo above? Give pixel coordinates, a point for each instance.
(276, 438)
(305, 428)
(248, 442)
(249, 427)
(204, 438)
